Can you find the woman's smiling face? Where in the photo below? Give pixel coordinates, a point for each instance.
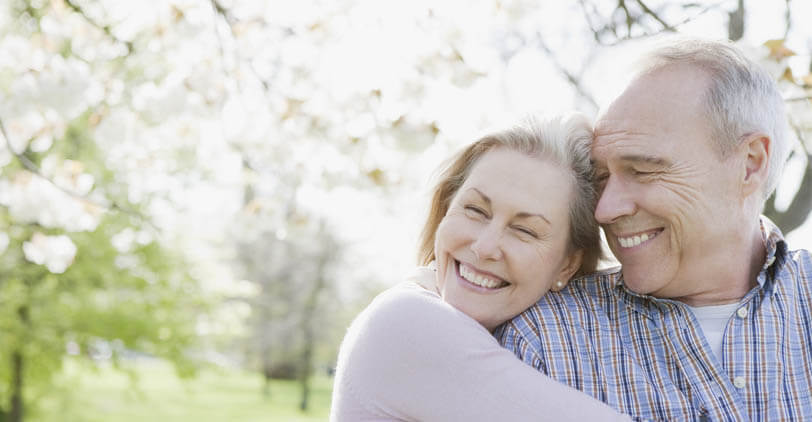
(504, 241)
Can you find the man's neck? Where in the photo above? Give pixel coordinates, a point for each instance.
(733, 280)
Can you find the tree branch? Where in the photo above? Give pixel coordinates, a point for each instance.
(104, 28)
(595, 32)
(656, 17)
(31, 167)
(229, 21)
(572, 79)
(700, 13)
(610, 26)
(621, 4)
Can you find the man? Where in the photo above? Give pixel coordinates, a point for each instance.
(710, 317)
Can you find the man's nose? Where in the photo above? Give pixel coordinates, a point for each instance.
(615, 201)
(488, 243)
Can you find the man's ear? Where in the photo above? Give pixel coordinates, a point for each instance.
(571, 266)
(756, 162)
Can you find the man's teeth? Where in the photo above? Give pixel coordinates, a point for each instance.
(631, 241)
(477, 279)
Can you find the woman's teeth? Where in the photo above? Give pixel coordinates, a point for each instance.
(478, 279)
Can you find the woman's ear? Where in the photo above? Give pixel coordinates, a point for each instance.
(571, 265)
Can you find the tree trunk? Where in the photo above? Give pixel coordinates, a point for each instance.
(307, 369)
(308, 311)
(266, 386)
(17, 365)
(266, 371)
(16, 413)
(798, 209)
(735, 25)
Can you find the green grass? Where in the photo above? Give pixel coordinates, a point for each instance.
(158, 395)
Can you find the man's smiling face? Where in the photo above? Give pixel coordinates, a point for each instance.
(666, 195)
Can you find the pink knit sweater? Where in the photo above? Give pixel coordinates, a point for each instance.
(410, 356)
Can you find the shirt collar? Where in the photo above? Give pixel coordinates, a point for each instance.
(774, 244)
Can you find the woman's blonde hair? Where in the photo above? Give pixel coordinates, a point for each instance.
(564, 140)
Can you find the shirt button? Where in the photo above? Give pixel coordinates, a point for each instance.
(769, 262)
(742, 312)
(739, 382)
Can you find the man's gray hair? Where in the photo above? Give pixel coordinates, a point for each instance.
(742, 98)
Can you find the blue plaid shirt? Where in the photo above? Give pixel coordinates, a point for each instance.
(647, 357)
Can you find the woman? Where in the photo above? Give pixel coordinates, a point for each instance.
(510, 219)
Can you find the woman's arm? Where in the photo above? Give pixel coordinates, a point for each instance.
(411, 356)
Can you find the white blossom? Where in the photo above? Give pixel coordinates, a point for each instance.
(123, 240)
(33, 199)
(55, 252)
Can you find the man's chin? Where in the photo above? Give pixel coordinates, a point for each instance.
(639, 283)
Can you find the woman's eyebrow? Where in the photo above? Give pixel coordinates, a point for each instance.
(529, 215)
(522, 214)
(482, 195)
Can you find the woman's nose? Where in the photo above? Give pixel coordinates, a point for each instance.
(488, 244)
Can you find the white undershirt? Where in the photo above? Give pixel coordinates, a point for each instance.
(713, 320)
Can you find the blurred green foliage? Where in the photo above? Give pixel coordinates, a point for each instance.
(157, 394)
(107, 304)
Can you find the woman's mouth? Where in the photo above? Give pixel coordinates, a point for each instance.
(478, 278)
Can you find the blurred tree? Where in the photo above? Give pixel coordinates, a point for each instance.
(83, 271)
(67, 290)
(291, 268)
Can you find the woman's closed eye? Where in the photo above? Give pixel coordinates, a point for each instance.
(526, 231)
(473, 209)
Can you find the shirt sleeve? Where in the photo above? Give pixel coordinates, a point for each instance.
(411, 356)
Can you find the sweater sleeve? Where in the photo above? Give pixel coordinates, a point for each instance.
(410, 356)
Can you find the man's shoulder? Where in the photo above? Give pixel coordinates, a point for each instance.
(797, 266)
(778, 249)
(597, 284)
(801, 257)
(586, 290)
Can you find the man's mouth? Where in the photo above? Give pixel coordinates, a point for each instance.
(477, 278)
(637, 239)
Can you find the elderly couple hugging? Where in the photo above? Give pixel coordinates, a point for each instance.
(709, 316)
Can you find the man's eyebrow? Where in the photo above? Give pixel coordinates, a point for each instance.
(518, 215)
(646, 159)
